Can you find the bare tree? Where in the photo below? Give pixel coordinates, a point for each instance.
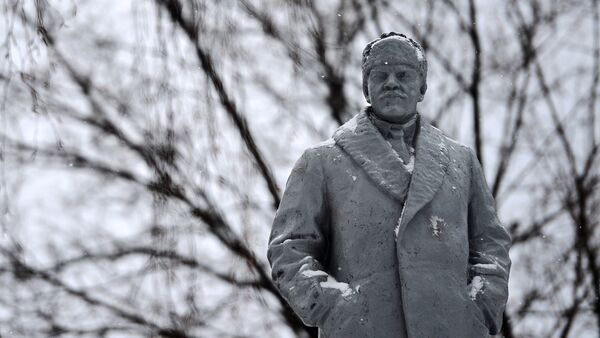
(145, 145)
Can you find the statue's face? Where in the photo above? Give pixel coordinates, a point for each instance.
(394, 86)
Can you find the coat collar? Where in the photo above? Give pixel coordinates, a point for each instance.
(388, 129)
(360, 139)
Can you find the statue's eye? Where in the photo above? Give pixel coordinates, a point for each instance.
(379, 76)
(401, 75)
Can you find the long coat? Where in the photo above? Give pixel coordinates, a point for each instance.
(352, 259)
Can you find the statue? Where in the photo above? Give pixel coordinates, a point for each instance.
(389, 228)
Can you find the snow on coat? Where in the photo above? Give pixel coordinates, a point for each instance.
(352, 260)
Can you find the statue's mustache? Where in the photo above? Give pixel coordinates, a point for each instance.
(391, 94)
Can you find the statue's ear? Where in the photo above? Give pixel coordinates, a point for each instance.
(366, 89)
(423, 90)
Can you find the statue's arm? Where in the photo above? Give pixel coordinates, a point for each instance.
(298, 240)
(489, 243)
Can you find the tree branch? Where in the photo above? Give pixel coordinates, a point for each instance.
(174, 9)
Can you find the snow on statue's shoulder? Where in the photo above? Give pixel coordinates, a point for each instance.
(327, 143)
(349, 126)
(454, 143)
(447, 139)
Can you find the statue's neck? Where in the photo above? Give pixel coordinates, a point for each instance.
(402, 120)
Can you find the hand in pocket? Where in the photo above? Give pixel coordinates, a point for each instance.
(347, 318)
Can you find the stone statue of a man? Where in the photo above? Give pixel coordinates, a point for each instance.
(389, 228)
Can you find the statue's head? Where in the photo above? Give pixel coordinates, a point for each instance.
(394, 71)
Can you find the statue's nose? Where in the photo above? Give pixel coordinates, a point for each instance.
(391, 82)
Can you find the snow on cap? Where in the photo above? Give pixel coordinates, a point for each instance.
(372, 55)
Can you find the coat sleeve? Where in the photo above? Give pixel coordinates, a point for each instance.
(489, 242)
(298, 241)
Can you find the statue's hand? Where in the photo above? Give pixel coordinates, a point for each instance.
(341, 320)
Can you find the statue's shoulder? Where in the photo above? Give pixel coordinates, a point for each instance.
(328, 143)
(324, 148)
(454, 148)
(456, 145)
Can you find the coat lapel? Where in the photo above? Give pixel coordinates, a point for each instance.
(362, 141)
(431, 163)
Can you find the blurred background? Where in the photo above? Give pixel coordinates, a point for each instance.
(144, 147)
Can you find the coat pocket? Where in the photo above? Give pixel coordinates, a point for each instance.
(347, 318)
(477, 317)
